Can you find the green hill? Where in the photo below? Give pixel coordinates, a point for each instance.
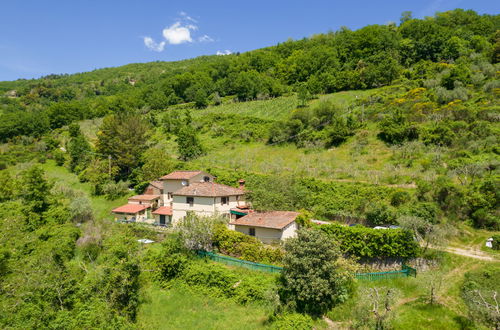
(385, 125)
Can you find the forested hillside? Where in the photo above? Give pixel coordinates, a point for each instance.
(393, 124)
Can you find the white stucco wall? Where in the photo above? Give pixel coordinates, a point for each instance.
(289, 231)
(268, 235)
(203, 206)
(265, 235)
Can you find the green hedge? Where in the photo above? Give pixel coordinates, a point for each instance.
(373, 243)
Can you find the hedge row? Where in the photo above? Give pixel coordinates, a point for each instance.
(373, 243)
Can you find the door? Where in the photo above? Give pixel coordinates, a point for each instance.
(162, 219)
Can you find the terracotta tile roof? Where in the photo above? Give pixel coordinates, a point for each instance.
(273, 219)
(180, 175)
(146, 198)
(208, 189)
(164, 210)
(130, 208)
(157, 184)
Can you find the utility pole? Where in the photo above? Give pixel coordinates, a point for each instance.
(109, 166)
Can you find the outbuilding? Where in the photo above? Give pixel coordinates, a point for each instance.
(269, 227)
(132, 212)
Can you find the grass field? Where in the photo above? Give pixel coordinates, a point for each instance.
(412, 303)
(181, 308)
(277, 108)
(61, 175)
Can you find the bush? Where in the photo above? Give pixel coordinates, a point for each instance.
(114, 190)
(168, 262)
(373, 243)
(59, 157)
(292, 321)
(381, 214)
(218, 280)
(400, 197)
(425, 210)
(496, 242)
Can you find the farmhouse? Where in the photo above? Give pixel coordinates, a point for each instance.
(177, 193)
(269, 227)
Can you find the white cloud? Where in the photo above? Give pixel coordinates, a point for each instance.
(177, 34)
(205, 38)
(224, 52)
(187, 17)
(151, 44)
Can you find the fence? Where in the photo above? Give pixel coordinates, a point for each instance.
(404, 272)
(241, 263)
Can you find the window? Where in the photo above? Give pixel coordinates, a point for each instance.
(237, 198)
(206, 178)
(190, 200)
(169, 195)
(224, 200)
(251, 231)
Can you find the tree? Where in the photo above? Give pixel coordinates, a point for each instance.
(124, 138)
(197, 232)
(189, 145)
(78, 149)
(303, 94)
(36, 194)
(375, 309)
(157, 162)
(425, 232)
(36, 189)
(405, 16)
(7, 186)
(313, 279)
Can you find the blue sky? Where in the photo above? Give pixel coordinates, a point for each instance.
(67, 36)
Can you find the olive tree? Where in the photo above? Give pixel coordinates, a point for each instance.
(197, 232)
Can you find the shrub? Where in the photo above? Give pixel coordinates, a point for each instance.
(425, 210)
(292, 321)
(400, 197)
(496, 242)
(168, 262)
(381, 214)
(114, 190)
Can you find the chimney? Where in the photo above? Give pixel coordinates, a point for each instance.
(241, 182)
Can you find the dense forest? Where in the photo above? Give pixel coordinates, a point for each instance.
(416, 132)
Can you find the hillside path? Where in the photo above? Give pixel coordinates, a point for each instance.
(476, 254)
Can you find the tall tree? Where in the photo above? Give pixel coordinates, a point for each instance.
(123, 137)
(78, 149)
(313, 278)
(189, 145)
